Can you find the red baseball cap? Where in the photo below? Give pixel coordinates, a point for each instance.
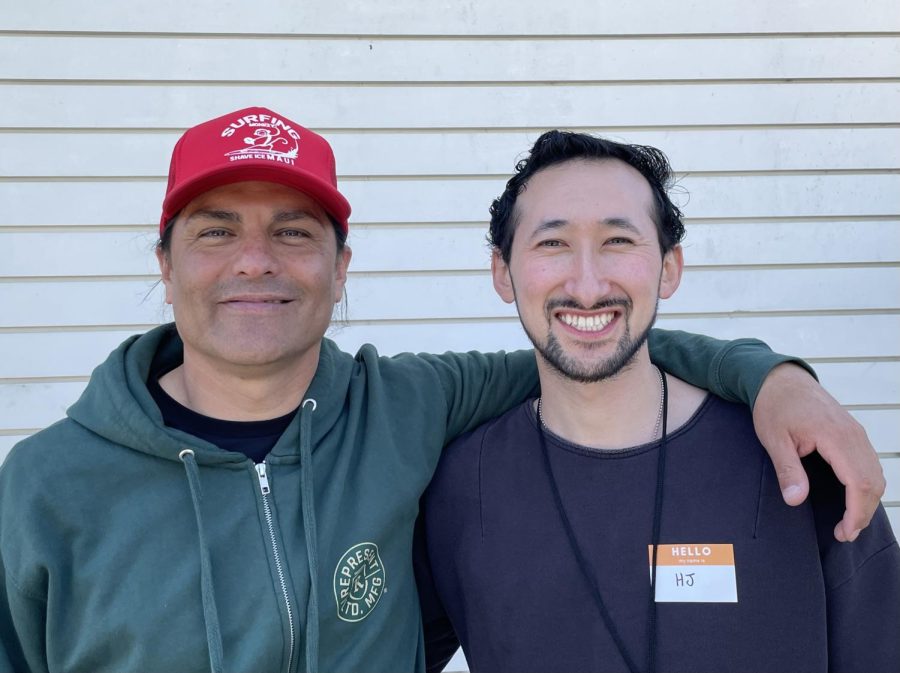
(252, 144)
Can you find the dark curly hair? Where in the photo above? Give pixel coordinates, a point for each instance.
(556, 147)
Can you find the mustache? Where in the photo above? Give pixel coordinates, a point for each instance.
(236, 288)
(554, 304)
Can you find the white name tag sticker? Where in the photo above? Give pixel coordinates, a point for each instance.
(694, 573)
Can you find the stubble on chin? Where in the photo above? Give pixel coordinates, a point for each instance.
(572, 369)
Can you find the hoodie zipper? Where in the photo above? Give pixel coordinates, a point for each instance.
(265, 490)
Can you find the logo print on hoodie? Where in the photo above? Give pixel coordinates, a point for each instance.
(358, 582)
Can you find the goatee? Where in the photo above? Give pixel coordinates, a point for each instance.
(591, 372)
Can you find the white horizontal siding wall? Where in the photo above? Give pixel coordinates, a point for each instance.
(783, 120)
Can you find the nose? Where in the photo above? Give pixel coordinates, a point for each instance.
(587, 281)
(255, 256)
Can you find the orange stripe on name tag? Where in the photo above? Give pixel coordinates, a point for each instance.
(693, 554)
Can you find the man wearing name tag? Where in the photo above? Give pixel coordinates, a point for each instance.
(626, 520)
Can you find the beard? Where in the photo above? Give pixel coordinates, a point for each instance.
(572, 368)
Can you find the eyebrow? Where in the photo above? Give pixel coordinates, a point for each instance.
(299, 214)
(232, 216)
(616, 222)
(224, 215)
(621, 223)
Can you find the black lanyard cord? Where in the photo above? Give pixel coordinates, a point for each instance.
(582, 562)
(657, 517)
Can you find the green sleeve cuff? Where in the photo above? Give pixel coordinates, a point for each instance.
(734, 370)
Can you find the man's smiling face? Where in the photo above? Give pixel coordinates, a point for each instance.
(253, 273)
(586, 269)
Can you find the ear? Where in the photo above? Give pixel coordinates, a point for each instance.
(502, 280)
(672, 267)
(165, 270)
(340, 272)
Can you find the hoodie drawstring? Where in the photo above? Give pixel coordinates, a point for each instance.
(210, 613)
(307, 494)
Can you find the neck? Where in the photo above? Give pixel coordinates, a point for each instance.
(614, 413)
(236, 392)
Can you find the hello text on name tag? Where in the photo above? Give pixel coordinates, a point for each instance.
(694, 573)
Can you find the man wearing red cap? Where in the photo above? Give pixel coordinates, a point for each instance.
(233, 492)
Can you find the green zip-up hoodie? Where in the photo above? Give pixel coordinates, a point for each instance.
(126, 545)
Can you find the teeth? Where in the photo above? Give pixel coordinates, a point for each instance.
(591, 323)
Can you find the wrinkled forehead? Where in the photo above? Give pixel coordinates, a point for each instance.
(255, 193)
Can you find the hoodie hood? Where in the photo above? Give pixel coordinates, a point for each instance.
(117, 406)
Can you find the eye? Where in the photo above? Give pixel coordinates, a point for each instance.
(294, 234)
(214, 233)
(619, 240)
(550, 243)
